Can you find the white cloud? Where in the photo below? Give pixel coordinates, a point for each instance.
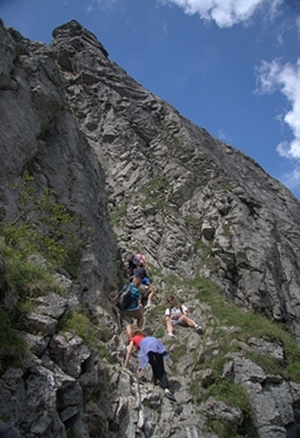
(225, 13)
(292, 179)
(222, 136)
(102, 4)
(285, 77)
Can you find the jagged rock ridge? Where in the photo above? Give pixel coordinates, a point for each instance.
(193, 205)
(205, 190)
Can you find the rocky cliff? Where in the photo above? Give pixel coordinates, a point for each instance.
(91, 161)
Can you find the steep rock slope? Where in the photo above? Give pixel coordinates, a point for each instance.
(193, 204)
(40, 135)
(76, 134)
(52, 194)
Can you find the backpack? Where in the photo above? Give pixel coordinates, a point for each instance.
(180, 308)
(132, 263)
(124, 297)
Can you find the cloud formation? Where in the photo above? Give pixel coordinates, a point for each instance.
(274, 76)
(225, 13)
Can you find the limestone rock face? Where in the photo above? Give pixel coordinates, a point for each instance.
(132, 172)
(190, 202)
(39, 134)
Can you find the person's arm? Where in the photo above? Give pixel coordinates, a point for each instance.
(184, 310)
(128, 354)
(167, 314)
(137, 296)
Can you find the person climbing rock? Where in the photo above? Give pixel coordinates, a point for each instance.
(146, 288)
(178, 314)
(153, 351)
(133, 262)
(134, 309)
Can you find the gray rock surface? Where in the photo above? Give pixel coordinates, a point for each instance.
(171, 185)
(134, 173)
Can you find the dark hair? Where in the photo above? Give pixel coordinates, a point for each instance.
(138, 332)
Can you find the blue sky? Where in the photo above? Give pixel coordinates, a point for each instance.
(232, 67)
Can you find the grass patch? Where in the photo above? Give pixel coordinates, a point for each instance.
(249, 325)
(154, 194)
(12, 347)
(116, 214)
(225, 430)
(231, 394)
(21, 275)
(230, 322)
(46, 227)
(79, 323)
(93, 336)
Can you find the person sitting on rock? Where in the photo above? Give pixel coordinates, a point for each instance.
(146, 288)
(153, 351)
(178, 314)
(134, 310)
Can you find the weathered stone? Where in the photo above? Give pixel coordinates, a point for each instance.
(69, 352)
(191, 203)
(40, 324)
(7, 431)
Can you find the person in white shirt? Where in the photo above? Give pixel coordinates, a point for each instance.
(178, 314)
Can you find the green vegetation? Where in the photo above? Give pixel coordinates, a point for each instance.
(12, 346)
(43, 231)
(21, 275)
(225, 430)
(249, 325)
(154, 193)
(44, 227)
(231, 394)
(229, 326)
(116, 214)
(205, 255)
(82, 325)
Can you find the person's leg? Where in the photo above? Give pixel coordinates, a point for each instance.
(128, 329)
(152, 361)
(156, 361)
(140, 322)
(151, 295)
(127, 323)
(185, 320)
(170, 327)
(162, 376)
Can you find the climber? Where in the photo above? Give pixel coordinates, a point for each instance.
(141, 258)
(125, 263)
(134, 310)
(153, 351)
(178, 314)
(133, 261)
(146, 288)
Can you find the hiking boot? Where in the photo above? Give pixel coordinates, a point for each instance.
(155, 382)
(169, 395)
(171, 335)
(198, 328)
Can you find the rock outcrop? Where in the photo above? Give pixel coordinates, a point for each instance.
(80, 138)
